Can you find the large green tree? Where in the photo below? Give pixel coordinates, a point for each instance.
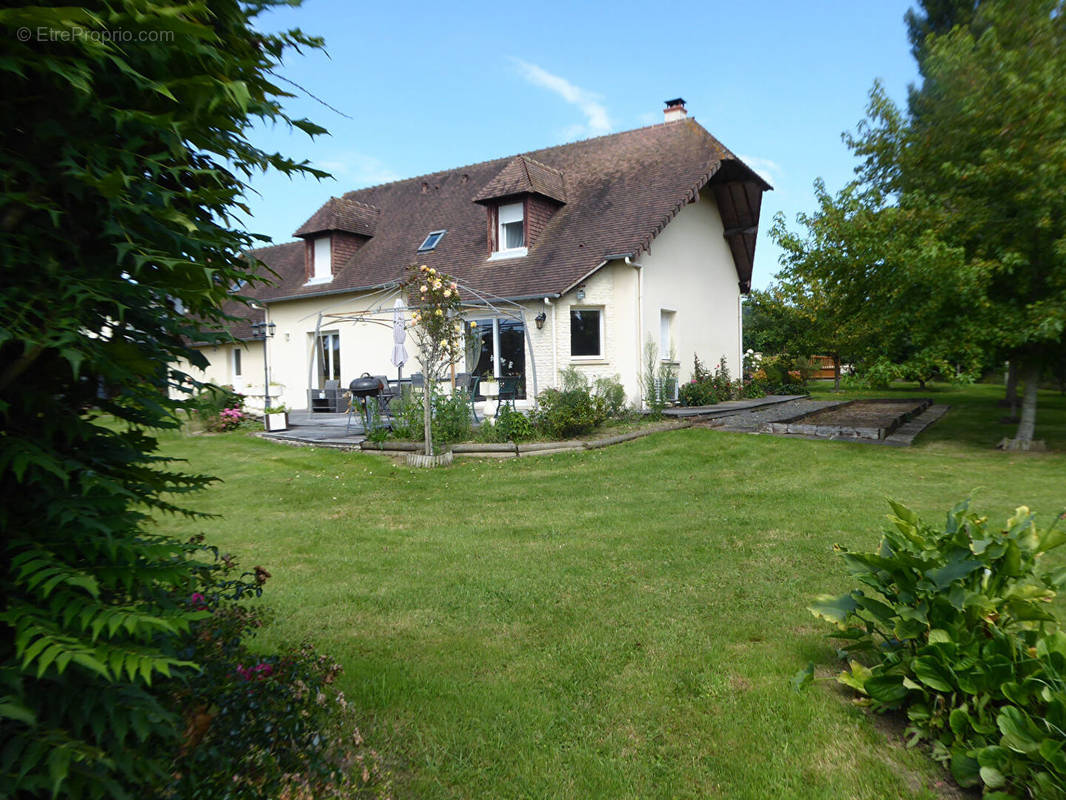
(864, 280)
(124, 157)
(988, 155)
(965, 189)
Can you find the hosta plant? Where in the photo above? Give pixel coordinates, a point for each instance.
(952, 625)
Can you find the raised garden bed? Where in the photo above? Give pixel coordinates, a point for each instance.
(856, 419)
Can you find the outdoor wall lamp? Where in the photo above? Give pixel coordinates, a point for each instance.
(580, 295)
(539, 319)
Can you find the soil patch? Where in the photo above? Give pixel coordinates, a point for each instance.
(859, 419)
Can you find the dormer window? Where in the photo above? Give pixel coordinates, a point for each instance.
(322, 260)
(431, 241)
(512, 227)
(520, 200)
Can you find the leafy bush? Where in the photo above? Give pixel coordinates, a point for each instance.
(611, 396)
(879, 374)
(260, 725)
(707, 388)
(451, 417)
(113, 264)
(509, 426)
(957, 632)
(219, 408)
(568, 413)
(782, 374)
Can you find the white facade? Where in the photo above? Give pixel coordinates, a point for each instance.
(688, 274)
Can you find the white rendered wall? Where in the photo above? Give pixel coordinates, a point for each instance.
(690, 271)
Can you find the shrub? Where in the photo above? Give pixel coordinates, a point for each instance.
(509, 426)
(567, 413)
(260, 725)
(707, 388)
(219, 408)
(611, 395)
(782, 374)
(879, 374)
(957, 632)
(451, 417)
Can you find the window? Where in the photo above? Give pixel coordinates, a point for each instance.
(666, 335)
(329, 363)
(431, 241)
(586, 332)
(322, 270)
(236, 362)
(512, 233)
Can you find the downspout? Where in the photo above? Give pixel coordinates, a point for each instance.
(740, 336)
(555, 345)
(640, 317)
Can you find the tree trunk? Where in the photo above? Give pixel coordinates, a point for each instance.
(1010, 397)
(427, 410)
(1027, 425)
(836, 372)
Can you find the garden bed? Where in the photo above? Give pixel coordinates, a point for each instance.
(857, 419)
(513, 449)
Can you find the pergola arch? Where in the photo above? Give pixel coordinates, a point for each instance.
(383, 307)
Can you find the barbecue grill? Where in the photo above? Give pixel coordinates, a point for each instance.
(365, 387)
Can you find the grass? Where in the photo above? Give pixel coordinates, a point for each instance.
(617, 623)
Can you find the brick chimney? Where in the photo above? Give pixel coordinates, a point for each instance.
(675, 110)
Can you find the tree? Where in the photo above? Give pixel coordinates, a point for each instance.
(438, 331)
(957, 246)
(124, 159)
(988, 158)
(866, 286)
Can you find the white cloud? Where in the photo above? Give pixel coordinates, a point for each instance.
(355, 170)
(597, 122)
(768, 170)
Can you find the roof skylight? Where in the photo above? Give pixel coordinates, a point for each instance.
(431, 241)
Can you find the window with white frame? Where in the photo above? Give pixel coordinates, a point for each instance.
(511, 235)
(236, 362)
(586, 332)
(329, 358)
(667, 350)
(322, 262)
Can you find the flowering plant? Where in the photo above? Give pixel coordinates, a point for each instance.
(437, 328)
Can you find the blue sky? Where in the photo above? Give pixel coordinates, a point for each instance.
(431, 86)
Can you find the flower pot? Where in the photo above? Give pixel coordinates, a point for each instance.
(489, 389)
(422, 460)
(277, 422)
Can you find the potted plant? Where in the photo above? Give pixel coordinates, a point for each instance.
(489, 386)
(276, 417)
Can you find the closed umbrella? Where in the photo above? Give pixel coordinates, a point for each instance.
(399, 337)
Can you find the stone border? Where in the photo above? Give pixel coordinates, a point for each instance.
(796, 425)
(512, 450)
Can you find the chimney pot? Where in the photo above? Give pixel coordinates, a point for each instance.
(675, 110)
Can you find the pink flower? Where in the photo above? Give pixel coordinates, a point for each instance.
(198, 601)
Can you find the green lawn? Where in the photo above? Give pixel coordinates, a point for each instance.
(614, 623)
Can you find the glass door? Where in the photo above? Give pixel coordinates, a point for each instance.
(329, 358)
(486, 338)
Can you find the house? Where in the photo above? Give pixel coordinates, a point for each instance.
(604, 245)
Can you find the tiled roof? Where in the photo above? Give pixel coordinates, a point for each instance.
(523, 176)
(621, 191)
(341, 214)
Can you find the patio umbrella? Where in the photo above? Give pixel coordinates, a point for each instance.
(399, 337)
